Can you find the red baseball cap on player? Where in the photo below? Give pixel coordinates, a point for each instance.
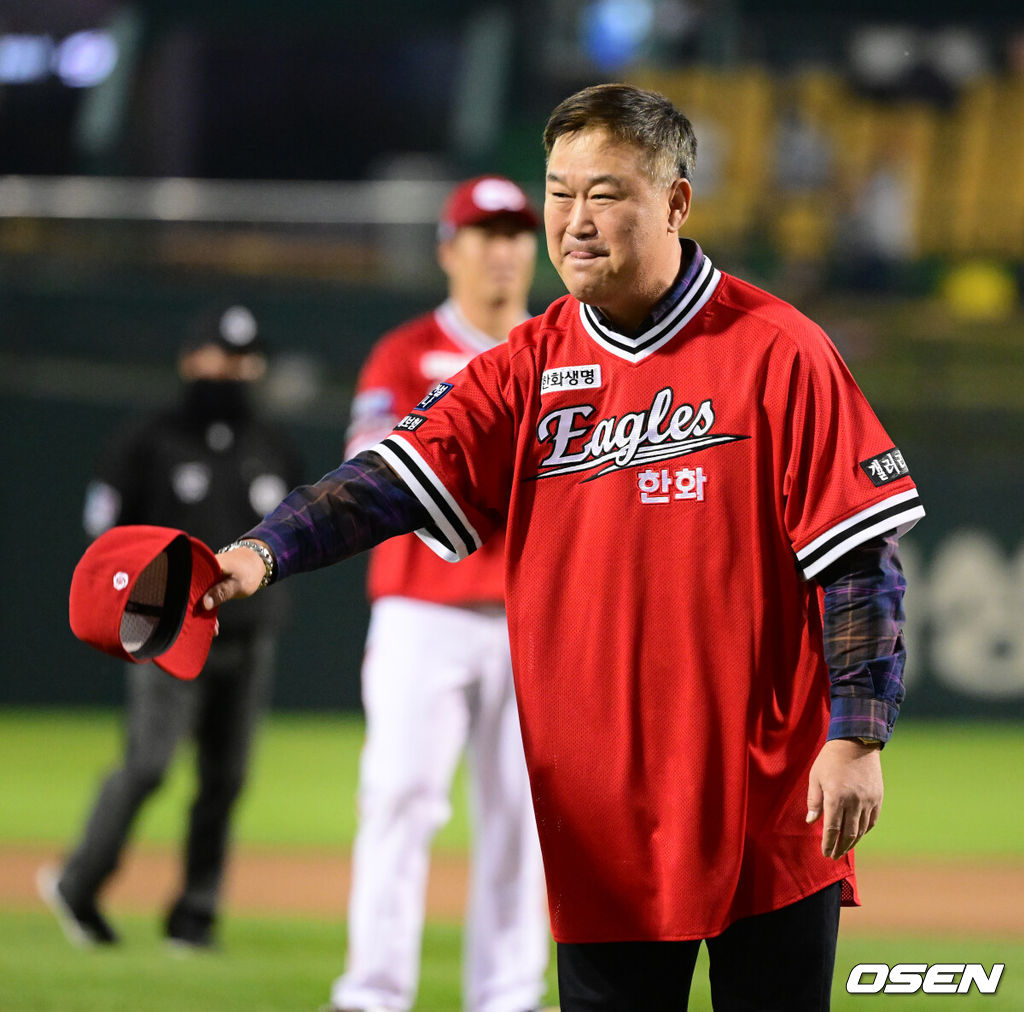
(483, 199)
(136, 593)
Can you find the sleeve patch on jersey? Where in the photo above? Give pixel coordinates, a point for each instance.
(886, 467)
(411, 422)
(433, 396)
(571, 377)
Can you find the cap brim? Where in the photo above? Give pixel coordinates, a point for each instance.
(186, 657)
(524, 216)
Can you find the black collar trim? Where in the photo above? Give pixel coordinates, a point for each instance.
(635, 349)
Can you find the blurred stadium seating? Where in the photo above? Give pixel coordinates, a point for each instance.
(960, 172)
(963, 167)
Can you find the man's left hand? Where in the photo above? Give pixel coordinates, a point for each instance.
(845, 791)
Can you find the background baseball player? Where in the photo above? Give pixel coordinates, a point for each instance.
(703, 585)
(437, 678)
(205, 465)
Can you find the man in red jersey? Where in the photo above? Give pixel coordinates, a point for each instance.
(702, 581)
(437, 678)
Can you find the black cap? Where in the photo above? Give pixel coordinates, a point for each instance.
(232, 328)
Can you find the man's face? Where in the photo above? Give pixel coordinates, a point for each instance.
(491, 263)
(612, 232)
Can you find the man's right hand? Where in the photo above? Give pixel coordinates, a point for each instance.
(242, 572)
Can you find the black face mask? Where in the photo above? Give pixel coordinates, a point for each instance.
(217, 400)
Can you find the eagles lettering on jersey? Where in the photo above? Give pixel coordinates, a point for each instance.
(663, 431)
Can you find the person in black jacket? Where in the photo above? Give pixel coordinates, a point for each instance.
(209, 466)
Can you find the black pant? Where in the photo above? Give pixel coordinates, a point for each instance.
(220, 710)
(781, 961)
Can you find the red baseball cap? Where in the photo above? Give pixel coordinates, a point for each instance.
(482, 199)
(136, 594)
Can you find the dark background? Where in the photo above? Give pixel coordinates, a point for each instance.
(91, 309)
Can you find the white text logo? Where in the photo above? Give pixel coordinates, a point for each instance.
(572, 377)
(909, 978)
(661, 432)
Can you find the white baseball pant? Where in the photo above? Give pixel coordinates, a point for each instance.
(437, 681)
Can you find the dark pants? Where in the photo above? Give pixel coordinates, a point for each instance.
(219, 709)
(781, 961)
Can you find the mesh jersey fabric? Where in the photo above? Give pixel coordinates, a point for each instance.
(659, 493)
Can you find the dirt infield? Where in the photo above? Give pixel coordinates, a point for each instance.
(922, 897)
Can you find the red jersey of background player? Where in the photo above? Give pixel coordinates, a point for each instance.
(402, 368)
(733, 423)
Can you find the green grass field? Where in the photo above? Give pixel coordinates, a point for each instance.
(952, 791)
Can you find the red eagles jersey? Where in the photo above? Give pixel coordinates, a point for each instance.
(668, 499)
(403, 366)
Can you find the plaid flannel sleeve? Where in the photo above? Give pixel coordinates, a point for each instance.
(352, 508)
(863, 633)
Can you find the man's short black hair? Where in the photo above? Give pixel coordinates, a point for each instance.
(645, 119)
